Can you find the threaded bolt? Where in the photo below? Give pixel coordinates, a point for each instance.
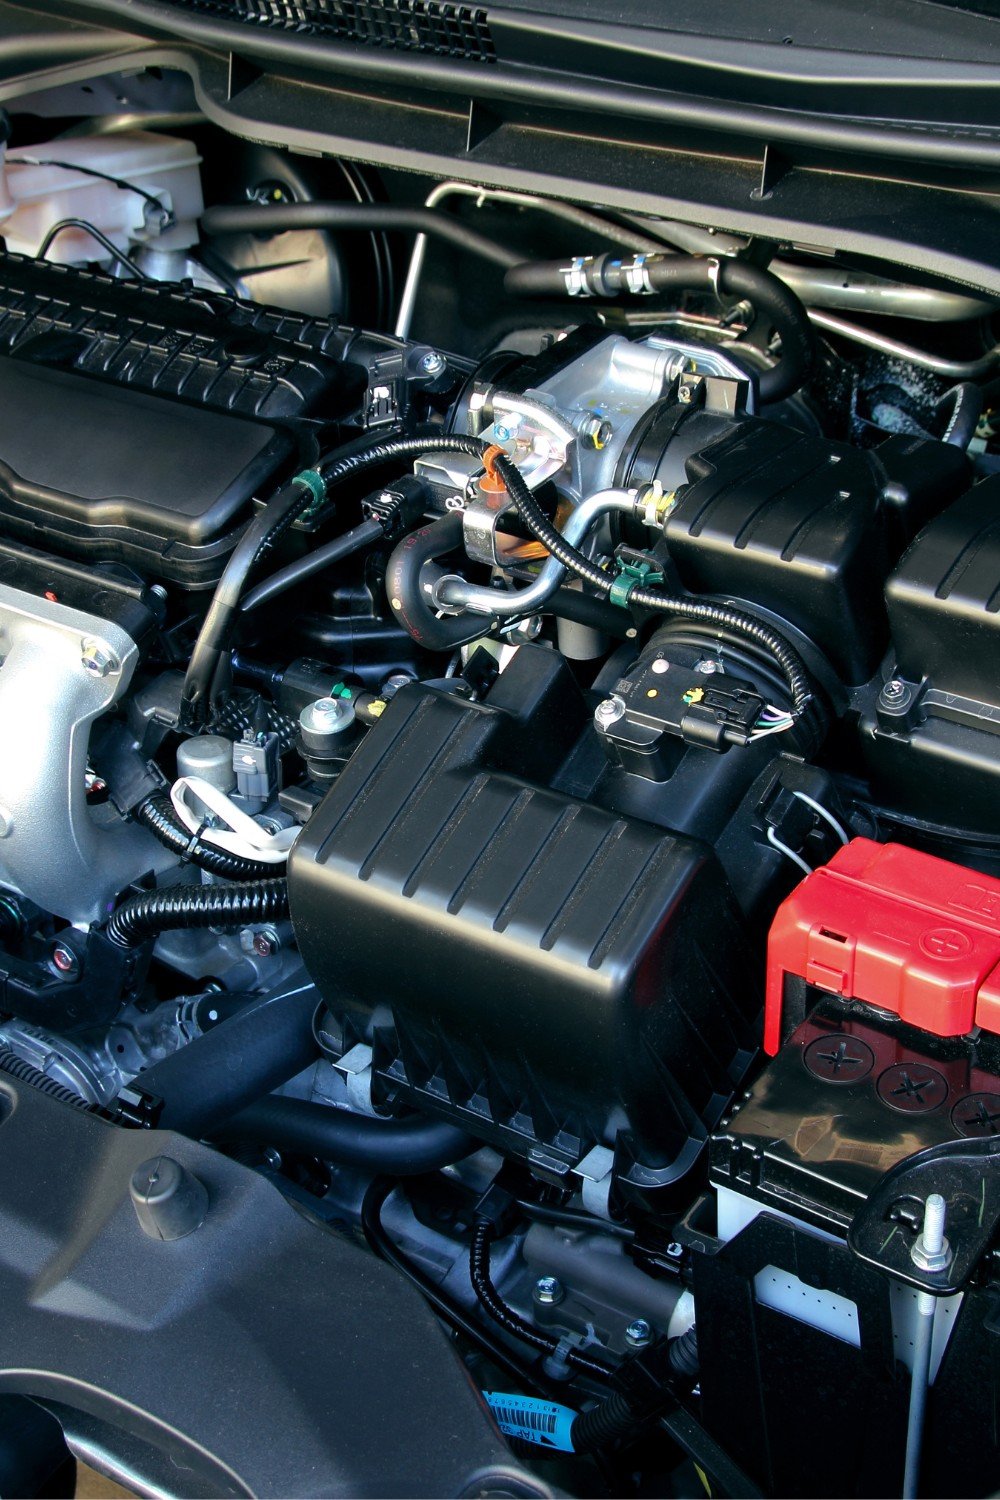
(548, 1291)
(638, 1334)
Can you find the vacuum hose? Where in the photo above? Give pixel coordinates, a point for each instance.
(610, 276)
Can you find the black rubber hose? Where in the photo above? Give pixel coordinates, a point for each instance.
(507, 1318)
(792, 667)
(191, 906)
(455, 1316)
(212, 645)
(237, 1062)
(398, 1148)
(158, 816)
(405, 590)
(584, 609)
(964, 405)
(273, 218)
(305, 567)
(608, 276)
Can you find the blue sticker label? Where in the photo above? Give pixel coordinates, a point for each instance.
(542, 1422)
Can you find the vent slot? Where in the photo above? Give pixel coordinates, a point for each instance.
(436, 27)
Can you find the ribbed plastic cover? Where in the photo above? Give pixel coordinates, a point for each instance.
(435, 27)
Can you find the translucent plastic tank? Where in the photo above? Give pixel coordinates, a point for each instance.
(158, 203)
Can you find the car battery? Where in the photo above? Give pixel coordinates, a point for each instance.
(915, 936)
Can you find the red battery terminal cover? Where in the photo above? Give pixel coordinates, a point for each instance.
(904, 931)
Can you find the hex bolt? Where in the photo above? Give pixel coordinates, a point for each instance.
(638, 1334)
(685, 395)
(609, 711)
(548, 1291)
(707, 667)
(894, 691)
(96, 658)
(64, 961)
(596, 432)
(932, 1251)
(433, 363)
(266, 943)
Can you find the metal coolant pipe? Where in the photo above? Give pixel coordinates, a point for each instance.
(454, 593)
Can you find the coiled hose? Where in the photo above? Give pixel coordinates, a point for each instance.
(157, 814)
(610, 276)
(507, 1318)
(192, 906)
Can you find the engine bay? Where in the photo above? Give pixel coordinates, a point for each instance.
(501, 738)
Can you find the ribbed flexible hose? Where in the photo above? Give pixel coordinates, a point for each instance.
(26, 1072)
(192, 906)
(157, 814)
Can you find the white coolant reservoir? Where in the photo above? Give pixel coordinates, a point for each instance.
(44, 185)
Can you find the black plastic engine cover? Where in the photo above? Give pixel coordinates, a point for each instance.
(932, 739)
(547, 972)
(809, 528)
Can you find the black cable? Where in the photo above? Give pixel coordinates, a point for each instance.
(724, 617)
(573, 1218)
(401, 1148)
(304, 567)
(102, 239)
(511, 1321)
(273, 218)
(158, 816)
(964, 406)
(456, 1317)
(118, 182)
(264, 531)
(212, 645)
(610, 276)
(194, 906)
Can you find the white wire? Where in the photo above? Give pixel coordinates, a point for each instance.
(241, 835)
(796, 859)
(827, 817)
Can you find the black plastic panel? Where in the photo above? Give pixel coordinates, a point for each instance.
(261, 1355)
(559, 976)
(809, 528)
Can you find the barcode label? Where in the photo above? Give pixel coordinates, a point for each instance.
(542, 1422)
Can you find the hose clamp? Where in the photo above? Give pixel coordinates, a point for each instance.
(312, 480)
(575, 276)
(637, 277)
(714, 265)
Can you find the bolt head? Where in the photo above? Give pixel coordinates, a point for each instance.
(609, 711)
(548, 1291)
(894, 691)
(708, 667)
(96, 658)
(638, 1334)
(685, 395)
(64, 960)
(265, 943)
(432, 363)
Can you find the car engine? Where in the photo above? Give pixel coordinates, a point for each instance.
(529, 792)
